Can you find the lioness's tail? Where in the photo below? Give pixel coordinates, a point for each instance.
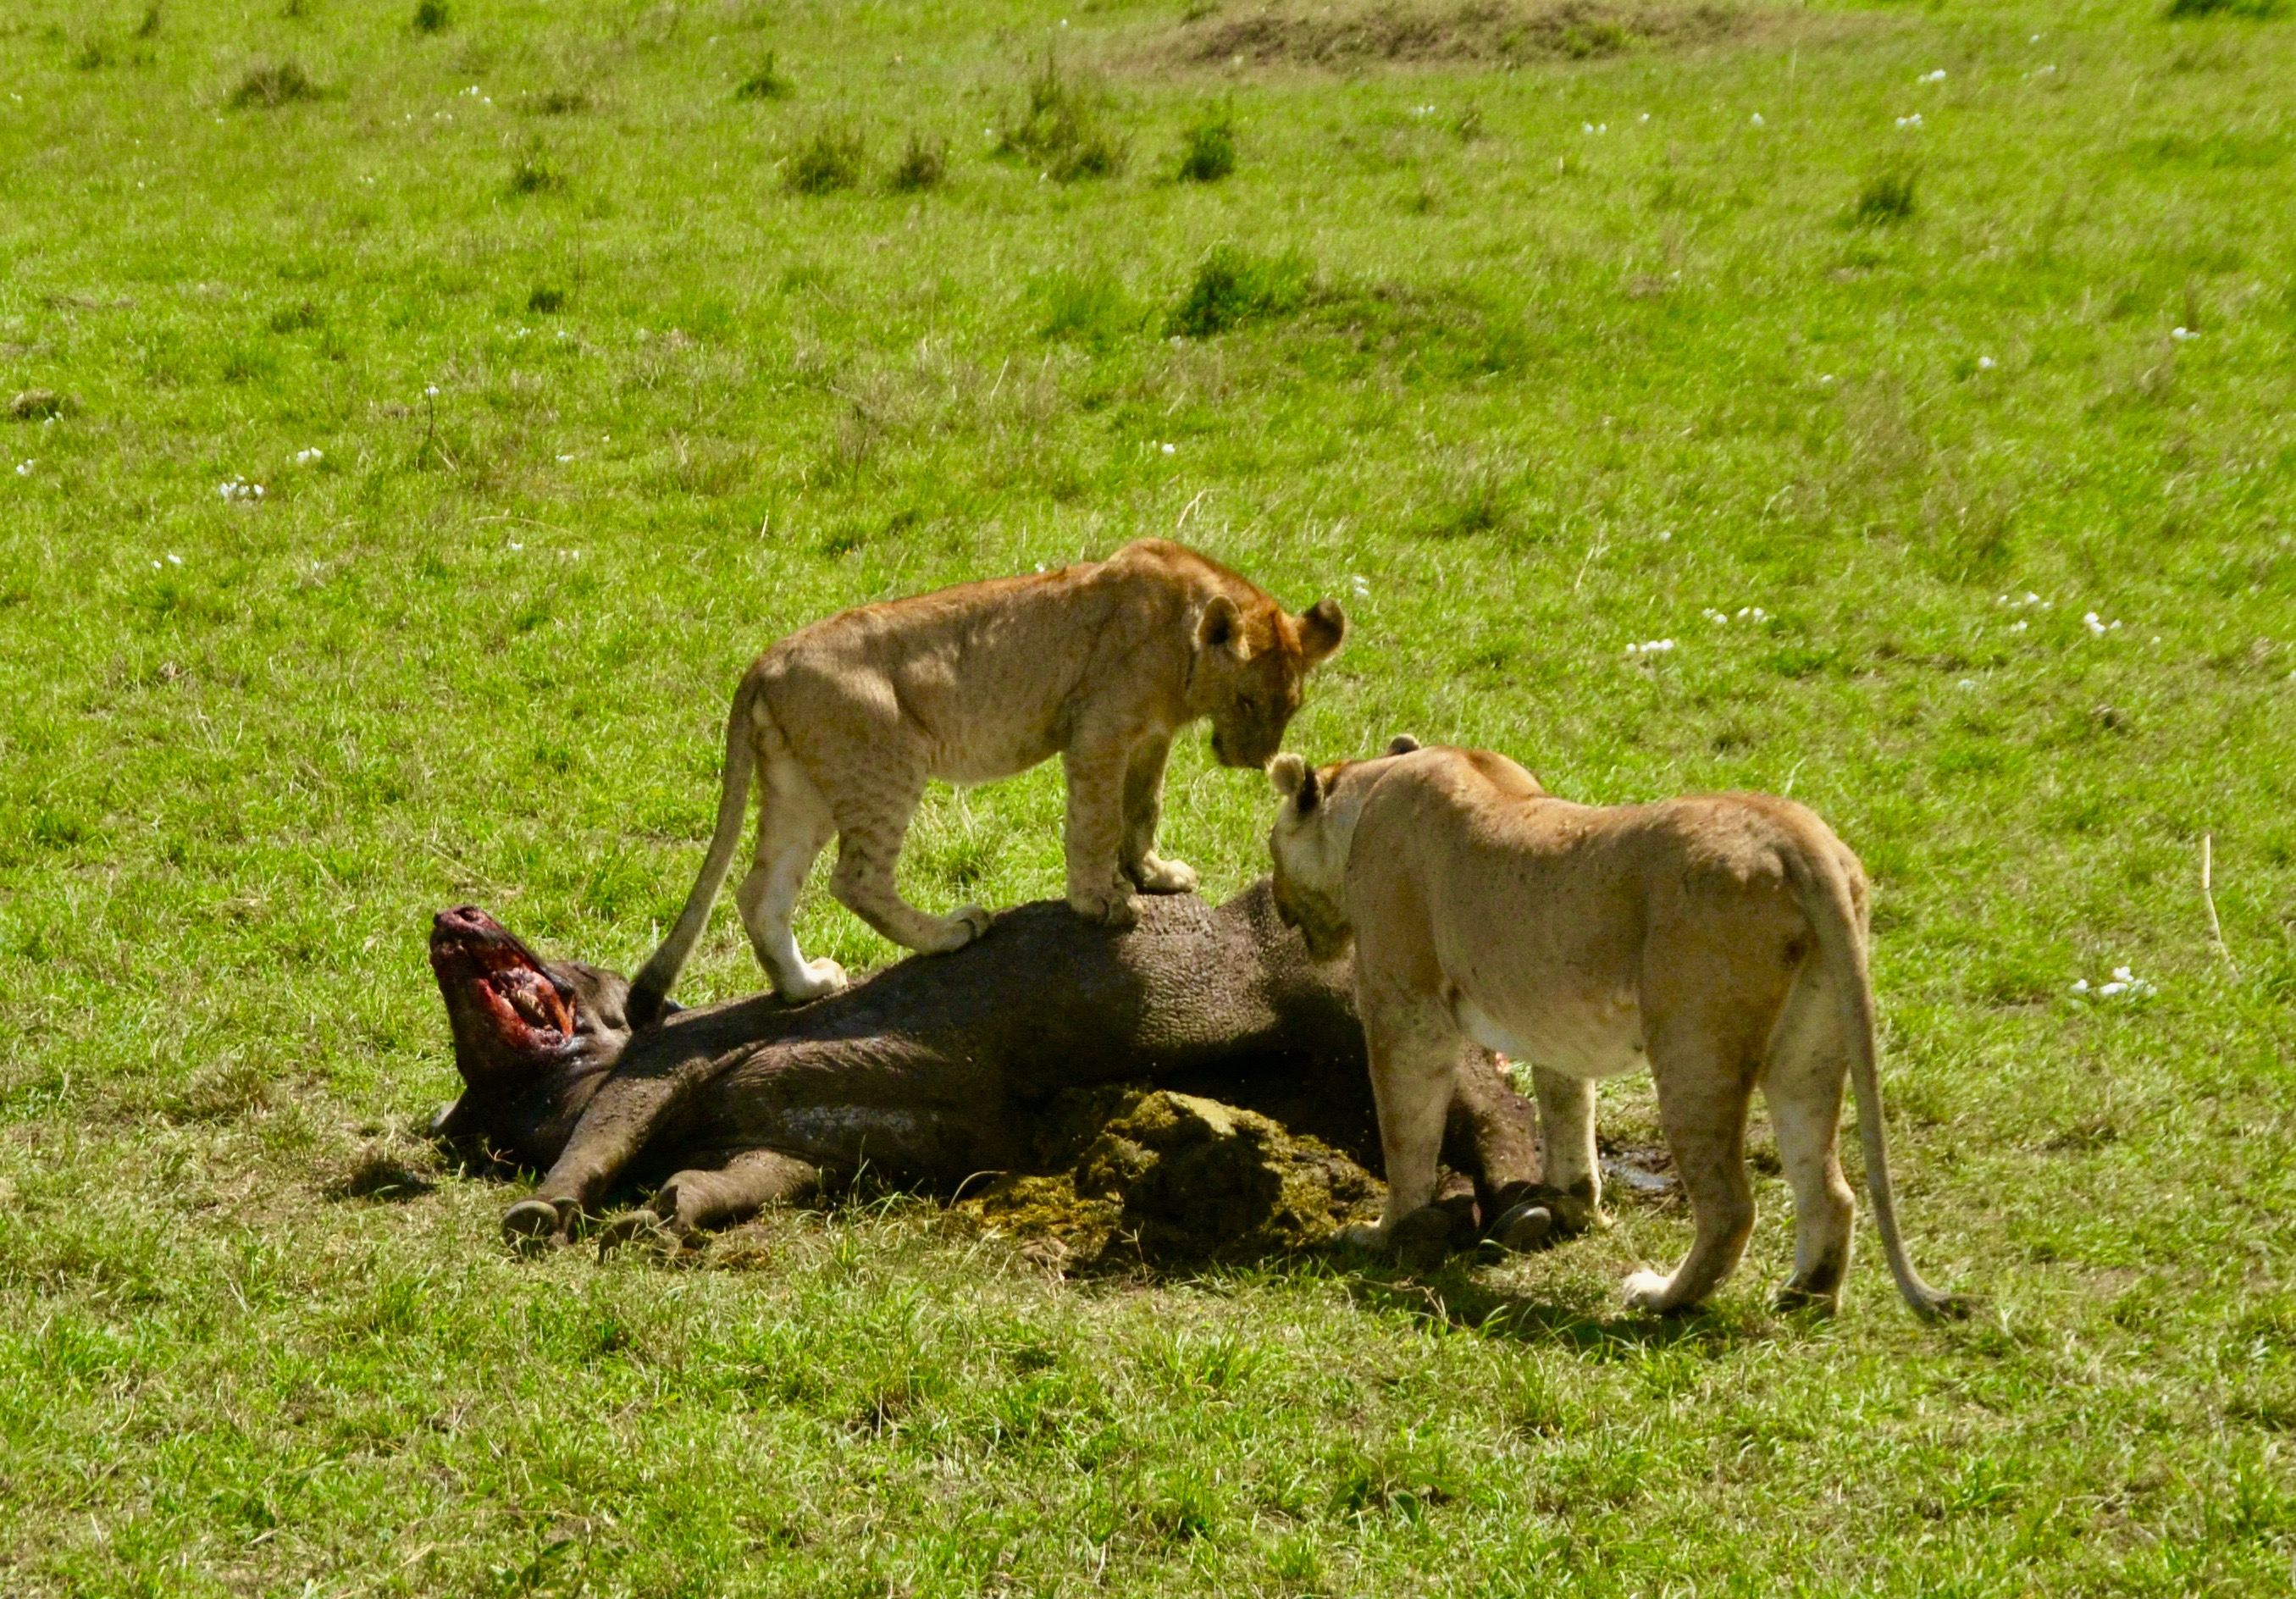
(1822, 888)
(652, 985)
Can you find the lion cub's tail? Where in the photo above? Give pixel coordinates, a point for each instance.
(1822, 888)
(651, 988)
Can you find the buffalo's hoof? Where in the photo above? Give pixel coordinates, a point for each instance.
(1524, 1227)
(532, 1225)
(1423, 1238)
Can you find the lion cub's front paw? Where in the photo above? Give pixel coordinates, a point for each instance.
(959, 928)
(1112, 906)
(1364, 1236)
(1157, 875)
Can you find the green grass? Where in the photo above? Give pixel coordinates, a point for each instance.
(1540, 394)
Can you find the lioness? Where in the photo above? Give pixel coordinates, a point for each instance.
(1718, 939)
(1101, 663)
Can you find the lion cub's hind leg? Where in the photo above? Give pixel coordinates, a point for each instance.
(1568, 1161)
(793, 824)
(871, 826)
(1803, 1088)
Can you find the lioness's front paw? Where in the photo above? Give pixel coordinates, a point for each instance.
(1156, 875)
(959, 928)
(1647, 1290)
(1112, 906)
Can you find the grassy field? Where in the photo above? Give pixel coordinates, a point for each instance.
(429, 409)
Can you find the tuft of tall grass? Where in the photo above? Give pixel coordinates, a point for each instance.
(534, 174)
(922, 166)
(2253, 11)
(1886, 198)
(274, 84)
(766, 83)
(1063, 130)
(831, 157)
(1207, 152)
(1233, 285)
(1086, 308)
(433, 16)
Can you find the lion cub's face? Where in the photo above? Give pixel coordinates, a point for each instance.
(1251, 670)
(1309, 844)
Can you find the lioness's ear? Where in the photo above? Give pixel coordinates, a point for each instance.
(1221, 627)
(1295, 780)
(1402, 743)
(1323, 626)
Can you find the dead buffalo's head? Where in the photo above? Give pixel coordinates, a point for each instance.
(532, 1038)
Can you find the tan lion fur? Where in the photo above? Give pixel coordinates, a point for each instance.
(1100, 663)
(1717, 940)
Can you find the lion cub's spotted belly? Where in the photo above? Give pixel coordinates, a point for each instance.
(1597, 1039)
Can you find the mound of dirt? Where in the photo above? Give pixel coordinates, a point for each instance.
(1346, 36)
(1166, 1179)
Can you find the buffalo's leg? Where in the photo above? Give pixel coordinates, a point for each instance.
(696, 1199)
(615, 1127)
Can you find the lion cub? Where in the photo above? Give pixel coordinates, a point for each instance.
(1100, 663)
(1717, 942)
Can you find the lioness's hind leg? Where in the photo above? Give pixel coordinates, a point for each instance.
(793, 823)
(869, 836)
(1703, 1087)
(1803, 1088)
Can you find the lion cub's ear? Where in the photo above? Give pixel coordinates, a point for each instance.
(1323, 628)
(1295, 780)
(1221, 627)
(1402, 743)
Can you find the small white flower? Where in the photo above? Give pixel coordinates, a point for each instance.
(515, 545)
(1602, 127)
(1656, 646)
(2080, 985)
(2095, 627)
(305, 457)
(2109, 990)
(1985, 363)
(1936, 76)
(1913, 120)
(1362, 588)
(24, 469)
(2124, 975)
(1646, 115)
(1966, 683)
(1825, 377)
(155, 566)
(2181, 334)
(174, 558)
(2034, 40)
(1714, 616)
(563, 459)
(1757, 118)
(1585, 127)
(1168, 448)
(2018, 625)
(432, 391)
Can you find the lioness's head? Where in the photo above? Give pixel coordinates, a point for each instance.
(1249, 669)
(1314, 830)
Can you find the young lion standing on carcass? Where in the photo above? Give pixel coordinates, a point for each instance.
(1101, 663)
(1720, 941)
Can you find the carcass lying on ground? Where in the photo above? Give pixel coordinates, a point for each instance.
(963, 1068)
